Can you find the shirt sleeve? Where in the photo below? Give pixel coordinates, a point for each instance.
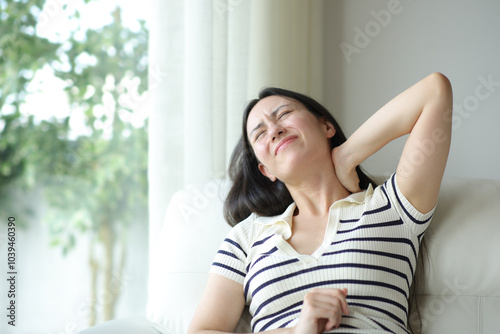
(231, 258)
(416, 220)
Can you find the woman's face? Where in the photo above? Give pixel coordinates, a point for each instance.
(285, 136)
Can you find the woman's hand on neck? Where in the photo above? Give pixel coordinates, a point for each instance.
(345, 168)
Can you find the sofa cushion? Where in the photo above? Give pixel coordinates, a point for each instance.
(461, 288)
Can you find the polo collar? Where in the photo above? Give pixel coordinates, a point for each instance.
(287, 216)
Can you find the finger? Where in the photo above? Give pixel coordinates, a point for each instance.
(341, 295)
(330, 320)
(333, 306)
(334, 321)
(353, 186)
(323, 325)
(330, 296)
(344, 305)
(325, 316)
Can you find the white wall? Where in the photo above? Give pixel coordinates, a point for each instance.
(459, 38)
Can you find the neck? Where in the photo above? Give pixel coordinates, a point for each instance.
(314, 194)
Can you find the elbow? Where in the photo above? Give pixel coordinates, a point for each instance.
(440, 94)
(441, 86)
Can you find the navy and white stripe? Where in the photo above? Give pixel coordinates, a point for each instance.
(370, 247)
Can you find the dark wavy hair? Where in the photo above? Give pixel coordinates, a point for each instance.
(252, 192)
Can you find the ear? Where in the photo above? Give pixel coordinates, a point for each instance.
(330, 129)
(263, 169)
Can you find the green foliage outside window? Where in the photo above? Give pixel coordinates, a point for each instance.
(94, 184)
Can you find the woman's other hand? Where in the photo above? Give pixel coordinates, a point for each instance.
(322, 311)
(346, 173)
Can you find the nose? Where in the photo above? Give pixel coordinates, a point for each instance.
(276, 131)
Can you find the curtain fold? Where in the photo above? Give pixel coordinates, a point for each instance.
(199, 82)
(214, 56)
(287, 46)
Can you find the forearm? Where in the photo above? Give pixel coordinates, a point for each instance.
(220, 308)
(395, 119)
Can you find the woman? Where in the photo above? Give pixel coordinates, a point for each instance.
(317, 253)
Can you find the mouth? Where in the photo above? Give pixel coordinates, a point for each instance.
(284, 143)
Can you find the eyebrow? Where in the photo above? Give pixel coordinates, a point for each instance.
(273, 114)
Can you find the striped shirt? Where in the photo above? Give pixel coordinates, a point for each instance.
(370, 247)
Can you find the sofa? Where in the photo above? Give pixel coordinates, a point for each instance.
(461, 290)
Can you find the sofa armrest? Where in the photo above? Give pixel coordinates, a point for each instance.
(192, 232)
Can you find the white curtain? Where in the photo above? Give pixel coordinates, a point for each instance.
(207, 59)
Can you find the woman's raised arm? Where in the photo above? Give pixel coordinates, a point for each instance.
(425, 112)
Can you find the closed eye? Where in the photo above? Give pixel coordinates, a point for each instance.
(284, 114)
(259, 135)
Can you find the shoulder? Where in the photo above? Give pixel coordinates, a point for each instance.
(243, 232)
(254, 227)
(248, 230)
(390, 192)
